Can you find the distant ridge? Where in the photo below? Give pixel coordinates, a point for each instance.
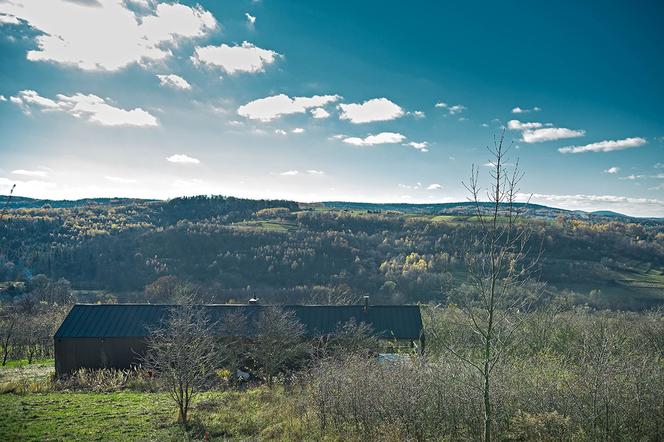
(464, 208)
(468, 209)
(21, 202)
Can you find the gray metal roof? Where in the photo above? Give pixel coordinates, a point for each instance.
(135, 320)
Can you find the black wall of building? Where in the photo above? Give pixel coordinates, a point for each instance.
(74, 353)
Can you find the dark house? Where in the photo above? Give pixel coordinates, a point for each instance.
(114, 335)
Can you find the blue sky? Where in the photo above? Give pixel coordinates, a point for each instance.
(363, 101)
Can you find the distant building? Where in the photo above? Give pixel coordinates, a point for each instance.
(114, 335)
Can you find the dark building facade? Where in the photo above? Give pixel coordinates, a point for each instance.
(114, 335)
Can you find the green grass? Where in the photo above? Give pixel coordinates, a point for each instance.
(21, 371)
(87, 416)
(269, 226)
(254, 414)
(44, 414)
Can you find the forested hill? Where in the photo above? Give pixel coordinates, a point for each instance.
(469, 208)
(282, 251)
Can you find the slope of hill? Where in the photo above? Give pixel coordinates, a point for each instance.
(283, 251)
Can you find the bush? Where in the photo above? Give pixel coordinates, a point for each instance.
(108, 380)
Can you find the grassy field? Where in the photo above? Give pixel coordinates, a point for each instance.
(47, 414)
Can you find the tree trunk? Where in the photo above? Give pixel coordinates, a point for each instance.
(487, 404)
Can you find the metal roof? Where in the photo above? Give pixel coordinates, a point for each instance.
(135, 320)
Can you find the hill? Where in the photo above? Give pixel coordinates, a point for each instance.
(284, 251)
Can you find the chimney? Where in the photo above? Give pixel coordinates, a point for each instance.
(366, 304)
(253, 301)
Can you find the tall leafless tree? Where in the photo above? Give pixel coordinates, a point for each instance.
(501, 269)
(183, 354)
(278, 343)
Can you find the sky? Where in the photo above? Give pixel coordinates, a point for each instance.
(375, 101)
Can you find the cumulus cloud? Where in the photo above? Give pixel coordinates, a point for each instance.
(250, 18)
(290, 173)
(629, 205)
(377, 109)
(519, 110)
(174, 81)
(240, 58)
(34, 173)
(3, 98)
(280, 132)
(119, 180)
(298, 130)
(28, 187)
(605, 146)
(89, 107)
(549, 134)
(269, 108)
(535, 132)
(421, 146)
(180, 158)
(518, 125)
(612, 170)
(434, 186)
(417, 114)
(8, 20)
(371, 140)
(451, 110)
(319, 112)
(107, 36)
(315, 172)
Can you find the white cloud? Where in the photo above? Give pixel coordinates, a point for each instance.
(451, 110)
(3, 98)
(659, 166)
(417, 114)
(24, 188)
(107, 35)
(250, 18)
(628, 205)
(269, 108)
(8, 20)
(605, 146)
(180, 183)
(180, 158)
(535, 132)
(457, 108)
(174, 81)
(371, 140)
(289, 173)
(518, 125)
(120, 180)
(422, 147)
(319, 112)
(377, 109)
(37, 173)
(280, 132)
(434, 186)
(298, 130)
(241, 58)
(315, 172)
(519, 110)
(550, 134)
(410, 187)
(90, 107)
(612, 170)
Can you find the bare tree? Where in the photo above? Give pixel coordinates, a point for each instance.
(501, 282)
(278, 343)
(182, 353)
(7, 201)
(8, 324)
